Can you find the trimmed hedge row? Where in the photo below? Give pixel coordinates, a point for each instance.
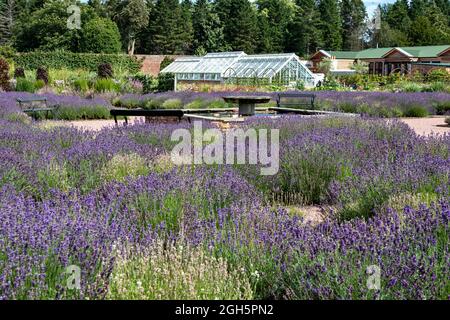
(73, 61)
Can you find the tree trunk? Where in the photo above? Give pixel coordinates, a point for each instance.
(131, 47)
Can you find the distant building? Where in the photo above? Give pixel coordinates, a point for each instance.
(285, 68)
(385, 61)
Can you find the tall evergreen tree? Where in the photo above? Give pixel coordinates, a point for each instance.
(188, 31)
(165, 34)
(208, 30)
(353, 13)
(274, 17)
(240, 24)
(7, 20)
(305, 36)
(331, 25)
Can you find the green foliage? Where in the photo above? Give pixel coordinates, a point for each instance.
(438, 75)
(81, 85)
(172, 104)
(39, 84)
(106, 85)
(153, 104)
(7, 52)
(25, 85)
(101, 35)
(166, 61)
(416, 111)
(165, 82)
(123, 166)
(75, 61)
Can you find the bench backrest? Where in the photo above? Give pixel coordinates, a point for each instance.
(292, 99)
(30, 104)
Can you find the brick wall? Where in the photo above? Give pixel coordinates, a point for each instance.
(151, 63)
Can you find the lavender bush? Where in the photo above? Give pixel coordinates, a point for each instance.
(66, 198)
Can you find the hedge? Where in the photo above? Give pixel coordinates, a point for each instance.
(74, 61)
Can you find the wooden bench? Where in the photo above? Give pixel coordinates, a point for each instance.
(145, 113)
(295, 100)
(34, 105)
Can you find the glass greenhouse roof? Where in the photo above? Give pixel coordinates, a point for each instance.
(231, 65)
(261, 66)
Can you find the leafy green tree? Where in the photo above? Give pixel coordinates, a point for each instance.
(240, 24)
(331, 25)
(353, 13)
(305, 36)
(131, 16)
(100, 35)
(207, 28)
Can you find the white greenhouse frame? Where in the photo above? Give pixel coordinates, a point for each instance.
(283, 69)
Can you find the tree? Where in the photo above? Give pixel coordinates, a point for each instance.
(331, 25)
(187, 35)
(207, 28)
(353, 13)
(131, 17)
(274, 17)
(240, 24)
(305, 36)
(164, 33)
(100, 35)
(7, 19)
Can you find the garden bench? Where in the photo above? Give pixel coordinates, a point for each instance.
(145, 113)
(295, 99)
(34, 105)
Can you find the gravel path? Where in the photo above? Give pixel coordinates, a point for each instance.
(427, 126)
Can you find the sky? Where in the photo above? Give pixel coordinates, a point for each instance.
(371, 5)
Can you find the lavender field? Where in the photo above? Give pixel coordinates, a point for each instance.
(139, 227)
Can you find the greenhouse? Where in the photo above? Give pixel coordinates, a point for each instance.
(239, 68)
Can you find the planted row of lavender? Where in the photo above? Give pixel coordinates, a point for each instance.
(71, 197)
(384, 104)
(70, 107)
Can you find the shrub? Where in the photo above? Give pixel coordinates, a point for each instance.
(172, 104)
(42, 74)
(76, 61)
(25, 85)
(4, 75)
(416, 111)
(101, 35)
(122, 166)
(442, 107)
(166, 61)
(19, 117)
(216, 104)
(105, 70)
(196, 104)
(398, 202)
(81, 85)
(39, 84)
(85, 112)
(19, 73)
(437, 87)
(105, 85)
(438, 75)
(153, 104)
(150, 275)
(165, 82)
(447, 120)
